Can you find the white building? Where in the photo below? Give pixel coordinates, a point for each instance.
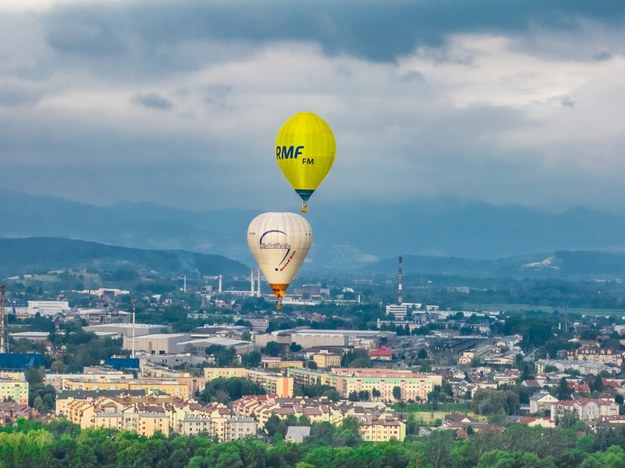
(586, 409)
(47, 308)
(162, 343)
(126, 329)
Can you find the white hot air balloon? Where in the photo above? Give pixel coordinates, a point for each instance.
(279, 242)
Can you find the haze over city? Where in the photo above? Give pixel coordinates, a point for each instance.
(178, 103)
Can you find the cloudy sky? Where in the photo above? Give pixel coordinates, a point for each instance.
(179, 102)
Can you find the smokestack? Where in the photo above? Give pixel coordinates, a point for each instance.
(4, 330)
(258, 283)
(251, 282)
(184, 284)
(400, 284)
(219, 290)
(134, 323)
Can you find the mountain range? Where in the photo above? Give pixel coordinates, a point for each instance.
(346, 237)
(41, 254)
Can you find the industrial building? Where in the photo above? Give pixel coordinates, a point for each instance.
(126, 329)
(199, 345)
(161, 343)
(310, 337)
(47, 308)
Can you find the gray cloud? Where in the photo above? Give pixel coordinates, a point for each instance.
(17, 96)
(501, 101)
(152, 100)
(365, 28)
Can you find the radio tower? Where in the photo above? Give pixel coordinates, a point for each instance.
(400, 285)
(4, 330)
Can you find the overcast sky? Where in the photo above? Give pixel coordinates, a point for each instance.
(179, 102)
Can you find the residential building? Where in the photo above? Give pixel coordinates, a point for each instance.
(541, 402)
(381, 354)
(297, 434)
(272, 382)
(586, 409)
(382, 428)
(11, 411)
(270, 362)
(150, 385)
(411, 386)
(596, 354)
(583, 367)
(14, 390)
(327, 360)
(278, 384)
(376, 422)
(212, 373)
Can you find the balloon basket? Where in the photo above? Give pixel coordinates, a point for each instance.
(304, 208)
(278, 305)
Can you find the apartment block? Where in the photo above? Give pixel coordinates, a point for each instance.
(272, 382)
(14, 390)
(412, 386)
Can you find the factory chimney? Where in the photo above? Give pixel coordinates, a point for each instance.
(400, 284)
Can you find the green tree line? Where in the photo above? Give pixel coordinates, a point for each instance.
(60, 444)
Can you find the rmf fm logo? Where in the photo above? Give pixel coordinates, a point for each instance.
(292, 152)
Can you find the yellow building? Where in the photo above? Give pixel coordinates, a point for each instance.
(272, 383)
(376, 422)
(312, 377)
(145, 424)
(415, 387)
(381, 429)
(212, 373)
(170, 387)
(411, 386)
(277, 363)
(327, 360)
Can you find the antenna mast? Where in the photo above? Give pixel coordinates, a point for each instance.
(4, 330)
(134, 307)
(400, 284)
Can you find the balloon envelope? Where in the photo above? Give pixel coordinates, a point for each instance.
(279, 242)
(305, 152)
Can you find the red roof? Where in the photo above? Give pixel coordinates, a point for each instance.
(381, 352)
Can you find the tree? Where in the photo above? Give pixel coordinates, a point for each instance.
(438, 449)
(563, 391)
(273, 348)
(251, 359)
(397, 392)
(275, 425)
(422, 354)
(596, 384)
(224, 356)
(567, 420)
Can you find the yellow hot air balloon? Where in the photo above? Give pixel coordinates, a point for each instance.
(279, 242)
(305, 151)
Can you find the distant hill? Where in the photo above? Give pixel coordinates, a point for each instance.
(580, 265)
(19, 256)
(346, 236)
